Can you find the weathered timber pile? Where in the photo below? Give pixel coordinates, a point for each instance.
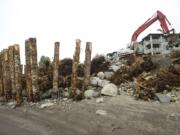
(11, 74)
(31, 70)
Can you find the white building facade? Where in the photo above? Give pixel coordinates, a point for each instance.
(156, 44)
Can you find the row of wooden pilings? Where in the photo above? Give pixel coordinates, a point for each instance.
(11, 71)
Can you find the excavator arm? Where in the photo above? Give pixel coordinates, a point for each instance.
(157, 16)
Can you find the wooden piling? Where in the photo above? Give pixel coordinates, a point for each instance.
(6, 75)
(75, 67)
(18, 74)
(28, 71)
(55, 70)
(1, 76)
(87, 65)
(12, 70)
(34, 69)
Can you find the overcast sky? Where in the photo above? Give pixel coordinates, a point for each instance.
(108, 24)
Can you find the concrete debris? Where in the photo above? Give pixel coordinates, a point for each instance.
(46, 104)
(114, 68)
(109, 90)
(163, 98)
(88, 94)
(99, 100)
(101, 112)
(12, 105)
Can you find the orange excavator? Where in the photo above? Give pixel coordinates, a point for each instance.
(164, 23)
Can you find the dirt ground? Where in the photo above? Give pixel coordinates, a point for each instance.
(125, 116)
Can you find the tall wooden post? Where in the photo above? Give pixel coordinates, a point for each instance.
(6, 75)
(1, 75)
(74, 67)
(87, 65)
(34, 69)
(18, 74)
(55, 70)
(12, 70)
(28, 71)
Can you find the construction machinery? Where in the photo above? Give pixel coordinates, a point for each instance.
(165, 25)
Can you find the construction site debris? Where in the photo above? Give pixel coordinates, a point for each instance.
(132, 69)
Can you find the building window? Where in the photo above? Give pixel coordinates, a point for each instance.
(177, 45)
(155, 36)
(156, 45)
(148, 46)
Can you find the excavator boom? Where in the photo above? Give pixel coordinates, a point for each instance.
(164, 22)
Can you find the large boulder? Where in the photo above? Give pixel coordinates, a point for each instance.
(109, 90)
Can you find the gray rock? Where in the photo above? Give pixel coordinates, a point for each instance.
(91, 94)
(66, 94)
(99, 100)
(114, 68)
(109, 90)
(108, 75)
(88, 94)
(101, 75)
(95, 81)
(12, 105)
(163, 98)
(101, 112)
(45, 105)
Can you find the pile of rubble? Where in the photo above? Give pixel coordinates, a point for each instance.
(138, 76)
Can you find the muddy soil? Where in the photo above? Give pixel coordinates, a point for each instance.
(125, 116)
